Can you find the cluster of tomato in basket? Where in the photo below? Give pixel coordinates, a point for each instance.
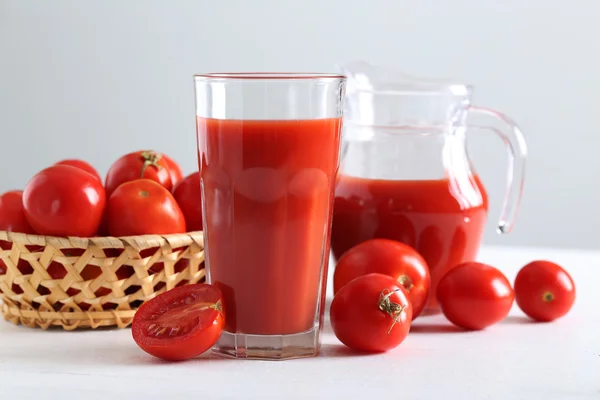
(380, 287)
(144, 193)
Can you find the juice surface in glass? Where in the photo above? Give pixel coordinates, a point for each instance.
(442, 219)
(268, 194)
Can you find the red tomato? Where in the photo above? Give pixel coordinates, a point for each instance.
(64, 201)
(87, 167)
(474, 295)
(143, 207)
(544, 290)
(189, 198)
(371, 313)
(174, 170)
(181, 323)
(137, 165)
(387, 257)
(12, 214)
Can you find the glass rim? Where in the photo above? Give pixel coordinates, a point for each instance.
(262, 76)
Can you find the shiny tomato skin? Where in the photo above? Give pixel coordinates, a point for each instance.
(84, 165)
(174, 170)
(544, 290)
(12, 213)
(474, 295)
(387, 257)
(137, 165)
(64, 201)
(189, 198)
(181, 323)
(143, 207)
(357, 317)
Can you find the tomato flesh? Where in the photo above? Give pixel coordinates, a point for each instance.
(181, 323)
(544, 290)
(474, 296)
(387, 257)
(371, 313)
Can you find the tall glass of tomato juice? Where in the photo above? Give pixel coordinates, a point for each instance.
(268, 153)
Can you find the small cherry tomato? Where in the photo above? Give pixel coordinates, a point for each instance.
(371, 313)
(64, 201)
(544, 290)
(387, 257)
(174, 170)
(181, 323)
(474, 295)
(12, 213)
(189, 198)
(143, 207)
(84, 165)
(137, 165)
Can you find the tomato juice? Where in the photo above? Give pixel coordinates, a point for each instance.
(268, 194)
(442, 219)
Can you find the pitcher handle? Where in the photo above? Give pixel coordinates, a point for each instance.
(516, 147)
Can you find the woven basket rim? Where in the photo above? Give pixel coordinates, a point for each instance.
(140, 242)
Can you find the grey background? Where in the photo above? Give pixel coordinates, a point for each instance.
(95, 79)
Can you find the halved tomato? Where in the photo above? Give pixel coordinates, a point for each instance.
(181, 323)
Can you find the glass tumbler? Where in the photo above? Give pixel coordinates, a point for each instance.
(268, 154)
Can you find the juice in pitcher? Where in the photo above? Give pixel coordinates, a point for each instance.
(443, 224)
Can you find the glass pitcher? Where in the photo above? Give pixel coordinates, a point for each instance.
(405, 173)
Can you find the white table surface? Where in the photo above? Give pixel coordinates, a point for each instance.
(515, 359)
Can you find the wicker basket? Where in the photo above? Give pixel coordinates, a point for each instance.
(88, 283)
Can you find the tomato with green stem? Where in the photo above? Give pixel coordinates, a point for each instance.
(138, 165)
(544, 290)
(371, 313)
(181, 323)
(387, 257)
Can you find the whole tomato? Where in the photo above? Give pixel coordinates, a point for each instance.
(12, 214)
(143, 207)
(137, 165)
(371, 313)
(64, 201)
(189, 198)
(387, 257)
(544, 290)
(474, 295)
(174, 170)
(87, 167)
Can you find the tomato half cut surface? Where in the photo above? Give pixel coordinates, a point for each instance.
(181, 323)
